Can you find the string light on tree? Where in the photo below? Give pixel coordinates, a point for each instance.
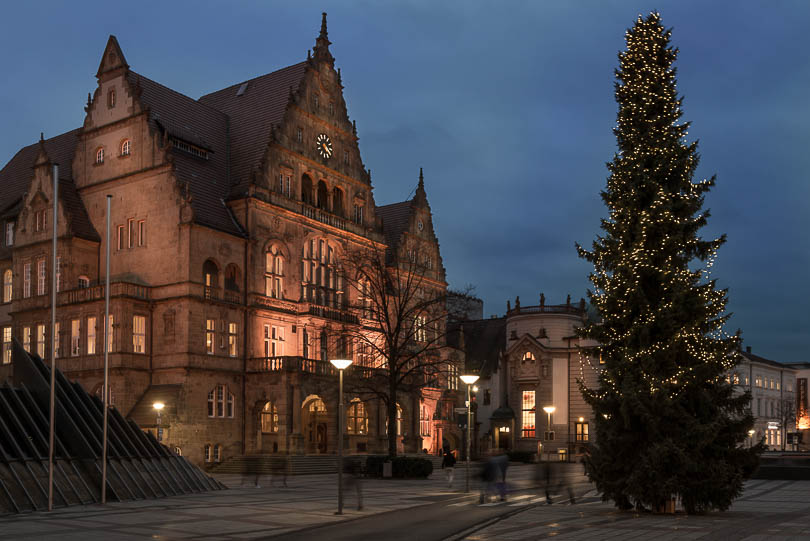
(667, 423)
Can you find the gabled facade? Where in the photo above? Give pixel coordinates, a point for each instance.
(230, 216)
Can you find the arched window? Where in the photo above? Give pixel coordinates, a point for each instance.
(100, 155)
(322, 281)
(207, 452)
(306, 189)
(528, 357)
(356, 418)
(220, 402)
(178, 451)
(210, 278)
(323, 196)
(232, 277)
(337, 201)
(269, 418)
(274, 273)
(84, 282)
(7, 285)
(217, 453)
(125, 147)
(111, 98)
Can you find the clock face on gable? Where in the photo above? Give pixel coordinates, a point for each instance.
(324, 145)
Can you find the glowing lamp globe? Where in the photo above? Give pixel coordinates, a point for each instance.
(341, 364)
(469, 379)
(549, 409)
(158, 406)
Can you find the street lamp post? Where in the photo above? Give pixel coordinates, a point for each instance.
(549, 410)
(158, 408)
(469, 380)
(341, 365)
(751, 437)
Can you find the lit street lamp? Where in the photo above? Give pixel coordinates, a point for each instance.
(469, 380)
(751, 437)
(158, 408)
(341, 365)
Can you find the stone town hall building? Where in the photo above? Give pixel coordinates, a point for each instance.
(229, 217)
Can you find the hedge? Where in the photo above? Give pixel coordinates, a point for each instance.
(402, 467)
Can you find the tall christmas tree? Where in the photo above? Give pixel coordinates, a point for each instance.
(668, 424)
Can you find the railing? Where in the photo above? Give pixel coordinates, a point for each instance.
(310, 366)
(211, 293)
(576, 309)
(331, 313)
(320, 215)
(233, 297)
(96, 292)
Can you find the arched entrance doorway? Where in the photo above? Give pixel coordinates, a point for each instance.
(315, 423)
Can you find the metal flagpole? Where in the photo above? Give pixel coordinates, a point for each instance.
(53, 337)
(106, 358)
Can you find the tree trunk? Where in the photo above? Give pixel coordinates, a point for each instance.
(392, 415)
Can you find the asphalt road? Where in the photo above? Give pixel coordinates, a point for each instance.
(437, 520)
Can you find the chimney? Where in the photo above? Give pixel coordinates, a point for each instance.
(748, 349)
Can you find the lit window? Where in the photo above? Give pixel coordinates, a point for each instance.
(41, 341)
(419, 329)
(581, 430)
(125, 148)
(8, 282)
(528, 415)
(425, 423)
(6, 345)
(269, 418)
(26, 280)
(399, 421)
(58, 269)
(110, 333)
(139, 334)
(56, 340)
(232, 339)
(207, 452)
(91, 335)
(100, 156)
(217, 453)
(356, 418)
(452, 377)
(27, 339)
(210, 333)
(736, 379)
(75, 333)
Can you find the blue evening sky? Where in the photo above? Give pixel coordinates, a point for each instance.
(508, 106)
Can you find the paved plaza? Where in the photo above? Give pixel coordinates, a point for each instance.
(418, 509)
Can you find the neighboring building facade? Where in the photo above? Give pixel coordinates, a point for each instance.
(230, 215)
(773, 398)
(802, 415)
(530, 360)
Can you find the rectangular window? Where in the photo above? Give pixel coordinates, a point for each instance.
(139, 334)
(581, 430)
(131, 227)
(121, 237)
(41, 341)
(9, 233)
(6, 345)
(141, 232)
(277, 341)
(27, 339)
(267, 344)
(758, 381)
(56, 341)
(232, 339)
(26, 280)
(58, 269)
(41, 277)
(110, 333)
(210, 336)
(75, 333)
(528, 429)
(220, 401)
(91, 335)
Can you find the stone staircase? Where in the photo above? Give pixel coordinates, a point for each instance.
(296, 464)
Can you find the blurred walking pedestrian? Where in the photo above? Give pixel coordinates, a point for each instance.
(500, 465)
(448, 464)
(278, 468)
(354, 471)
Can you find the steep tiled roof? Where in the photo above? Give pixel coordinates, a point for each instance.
(15, 180)
(395, 217)
(187, 119)
(484, 341)
(260, 105)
